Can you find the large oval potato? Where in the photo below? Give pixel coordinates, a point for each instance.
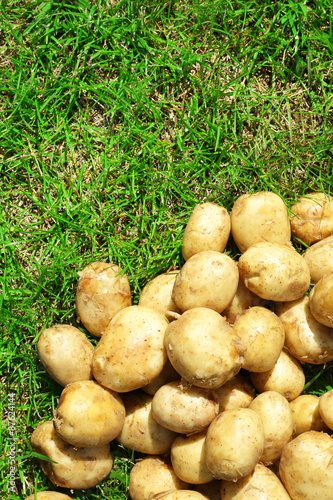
(66, 354)
(319, 258)
(208, 228)
(261, 216)
(140, 431)
(286, 377)
(306, 466)
(88, 414)
(131, 352)
(306, 415)
(151, 476)
(157, 294)
(277, 419)
(262, 334)
(321, 301)
(208, 279)
(203, 348)
(183, 408)
(260, 484)
(274, 272)
(101, 292)
(70, 467)
(305, 338)
(312, 218)
(234, 443)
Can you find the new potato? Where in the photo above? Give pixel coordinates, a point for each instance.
(319, 258)
(312, 218)
(321, 300)
(306, 415)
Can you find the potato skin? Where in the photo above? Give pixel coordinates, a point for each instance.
(261, 216)
(75, 468)
(183, 495)
(236, 393)
(306, 466)
(326, 408)
(101, 293)
(274, 272)
(206, 360)
(151, 476)
(131, 352)
(48, 495)
(88, 414)
(319, 258)
(312, 218)
(306, 415)
(234, 443)
(66, 354)
(183, 408)
(157, 294)
(321, 301)
(208, 228)
(208, 279)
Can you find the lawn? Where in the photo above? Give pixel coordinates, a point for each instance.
(117, 118)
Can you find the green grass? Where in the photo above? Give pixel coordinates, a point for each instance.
(116, 119)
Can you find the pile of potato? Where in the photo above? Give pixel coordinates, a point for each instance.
(204, 376)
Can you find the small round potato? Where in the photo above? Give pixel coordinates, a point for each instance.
(183, 408)
(48, 495)
(260, 484)
(305, 338)
(319, 258)
(259, 217)
(131, 353)
(208, 279)
(188, 458)
(101, 292)
(71, 467)
(236, 393)
(234, 443)
(326, 408)
(157, 294)
(208, 228)
(321, 301)
(286, 377)
(66, 354)
(151, 476)
(274, 272)
(88, 414)
(203, 348)
(306, 466)
(278, 424)
(262, 334)
(306, 416)
(312, 219)
(140, 431)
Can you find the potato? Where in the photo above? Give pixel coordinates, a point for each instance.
(274, 272)
(242, 300)
(131, 353)
(305, 338)
(88, 414)
(188, 458)
(203, 349)
(140, 431)
(66, 354)
(234, 443)
(168, 374)
(260, 484)
(101, 292)
(306, 416)
(236, 393)
(182, 495)
(157, 294)
(208, 279)
(151, 476)
(306, 466)
(211, 489)
(286, 377)
(326, 408)
(262, 334)
(321, 301)
(48, 495)
(259, 217)
(278, 424)
(74, 468)
(319, 258)
(183, 408)
(208, 228)
(312, 218)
